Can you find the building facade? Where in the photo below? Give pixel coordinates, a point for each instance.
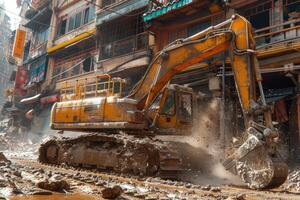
(6, 66)
(72, 46)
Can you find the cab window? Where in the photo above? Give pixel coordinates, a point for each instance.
(185, 106)
(169, 105)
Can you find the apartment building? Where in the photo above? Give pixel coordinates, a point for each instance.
(71, 49)
(38, 16)
(124, 45)
(6, 68)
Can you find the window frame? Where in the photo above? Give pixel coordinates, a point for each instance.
(85, 14)
(78, 20)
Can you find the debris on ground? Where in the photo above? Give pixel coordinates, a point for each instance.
(112, 193)
(293, 183)
(3, 159)
(53, 185)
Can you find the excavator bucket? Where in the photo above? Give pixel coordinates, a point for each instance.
(252, 162)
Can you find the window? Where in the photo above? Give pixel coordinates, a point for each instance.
(291, 7)
(62, 28)
(40, 37)
(43, 35)
(87, 64)
(86, 15)
(77, 20)
(89, 14)
(169, 105)
(71, 23)
(259, 14)
(76, 69)
(198, 27)
(56, 73)
(73, 67)
(185, 107)
(64, 73)
(92, 13)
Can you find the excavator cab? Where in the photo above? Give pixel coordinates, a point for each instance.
(172, 111)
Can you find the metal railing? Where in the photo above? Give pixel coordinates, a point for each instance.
(37, 4)
(128, 45)
(286, 31)
(86, 88)
(105, 3)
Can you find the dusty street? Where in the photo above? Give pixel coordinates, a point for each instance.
(22, 177)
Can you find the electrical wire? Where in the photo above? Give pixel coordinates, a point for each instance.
(90, 2)
(40, 23)
(113, 11)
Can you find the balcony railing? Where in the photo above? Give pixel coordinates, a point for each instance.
(128, 45)
(37, 4)
(286, 31)
(106, 3)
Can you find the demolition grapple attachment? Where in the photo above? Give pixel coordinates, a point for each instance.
(256, 161)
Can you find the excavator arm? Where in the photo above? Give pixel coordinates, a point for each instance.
(234, 35)
(256, 160)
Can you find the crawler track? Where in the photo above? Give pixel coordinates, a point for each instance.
(129, 154)
(119, 153)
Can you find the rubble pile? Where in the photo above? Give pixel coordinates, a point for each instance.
(293, 183)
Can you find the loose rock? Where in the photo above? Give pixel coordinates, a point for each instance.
(111, 193)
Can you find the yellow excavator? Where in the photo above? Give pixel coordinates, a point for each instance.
(120, 131)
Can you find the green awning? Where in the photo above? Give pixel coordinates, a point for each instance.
(164, 9)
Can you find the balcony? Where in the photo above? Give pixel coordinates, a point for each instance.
(38, 19)
(278, 39)
(38, 4)
(107, 3)
(128, 45)
(120, 7)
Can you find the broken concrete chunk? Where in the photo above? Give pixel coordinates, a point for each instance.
(3, 158)
(112, 193)
(53, 185)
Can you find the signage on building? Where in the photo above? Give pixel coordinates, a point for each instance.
(18, 49)
(21, 81)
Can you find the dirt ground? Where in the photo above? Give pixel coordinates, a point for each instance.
(22, 177)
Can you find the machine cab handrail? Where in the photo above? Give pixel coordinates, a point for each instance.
(99, 85)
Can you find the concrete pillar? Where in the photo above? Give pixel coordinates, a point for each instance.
(98, 2)
(51, 37)
(53, 24)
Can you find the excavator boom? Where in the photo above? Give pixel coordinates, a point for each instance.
(234, 35)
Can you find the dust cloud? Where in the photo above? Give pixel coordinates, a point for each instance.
(206, 135)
